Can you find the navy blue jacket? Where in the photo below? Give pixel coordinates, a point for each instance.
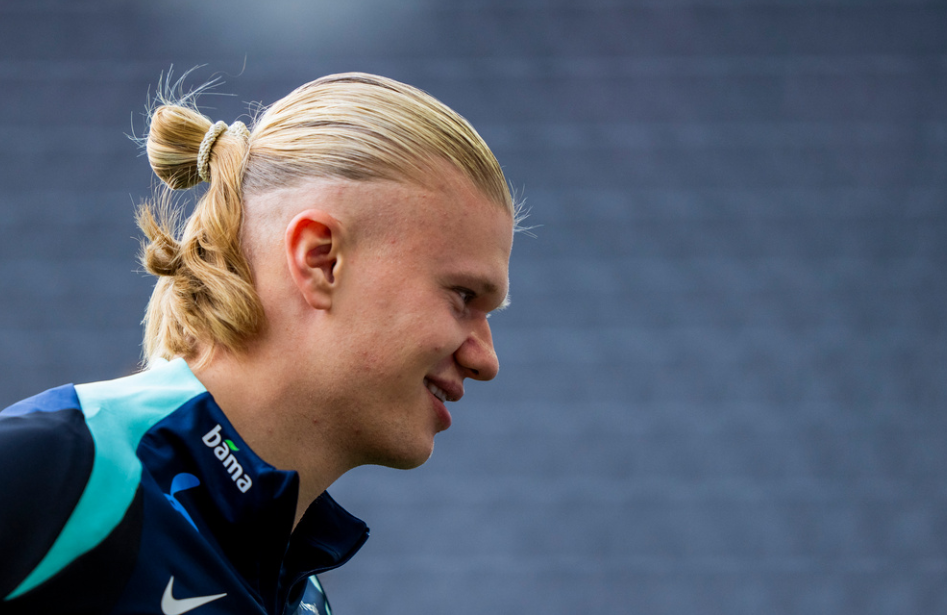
(137, 495)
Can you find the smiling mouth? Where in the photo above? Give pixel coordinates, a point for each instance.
(435, 390)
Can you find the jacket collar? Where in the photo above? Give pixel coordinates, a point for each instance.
(248, 506)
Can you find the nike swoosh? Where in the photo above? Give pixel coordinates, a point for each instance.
(172, 606)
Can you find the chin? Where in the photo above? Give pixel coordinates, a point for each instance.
(404, 459)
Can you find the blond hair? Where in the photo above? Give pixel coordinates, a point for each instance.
(353, 126)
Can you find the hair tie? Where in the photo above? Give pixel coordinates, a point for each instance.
(207, 144)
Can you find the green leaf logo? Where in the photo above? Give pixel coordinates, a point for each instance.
(232, 446)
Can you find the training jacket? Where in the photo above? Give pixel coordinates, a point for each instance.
(137, 495)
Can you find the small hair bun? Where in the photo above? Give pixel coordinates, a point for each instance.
(180, 142)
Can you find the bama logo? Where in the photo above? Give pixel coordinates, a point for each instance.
(223, 450)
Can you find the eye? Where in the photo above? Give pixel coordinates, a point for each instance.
(466, 295)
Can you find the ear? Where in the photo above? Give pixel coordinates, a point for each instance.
(313, 252)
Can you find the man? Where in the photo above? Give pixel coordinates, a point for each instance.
(326, 299)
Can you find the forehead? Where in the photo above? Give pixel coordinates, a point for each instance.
(451, 228)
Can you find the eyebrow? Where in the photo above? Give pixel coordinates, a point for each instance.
(490, 288)
(484, 287)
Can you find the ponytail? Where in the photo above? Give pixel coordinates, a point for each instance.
(204, 297)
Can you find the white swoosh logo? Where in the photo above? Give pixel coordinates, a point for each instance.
(172, 606)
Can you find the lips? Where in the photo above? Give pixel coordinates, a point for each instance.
(444, 390)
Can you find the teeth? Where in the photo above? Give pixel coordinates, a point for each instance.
(436, 390)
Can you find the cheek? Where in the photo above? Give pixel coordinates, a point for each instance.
(417, 344)
(400, 325)
(395, 344)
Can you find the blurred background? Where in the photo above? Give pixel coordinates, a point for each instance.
(724, 372)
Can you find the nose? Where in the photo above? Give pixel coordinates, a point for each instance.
(476, 355)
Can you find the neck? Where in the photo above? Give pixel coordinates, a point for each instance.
(287, 432)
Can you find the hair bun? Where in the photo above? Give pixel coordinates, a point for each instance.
(174, 142)
(180, 143)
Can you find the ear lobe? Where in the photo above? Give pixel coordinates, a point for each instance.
(313, 242)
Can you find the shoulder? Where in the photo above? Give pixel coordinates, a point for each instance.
(68, 460)
(41, 436)
(44, 437)
(46, 458)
